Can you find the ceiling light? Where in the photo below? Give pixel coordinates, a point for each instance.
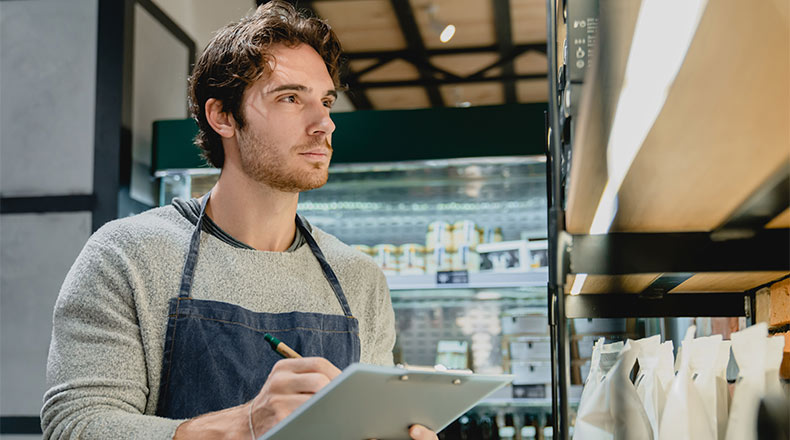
(445, 30)
(447, 33)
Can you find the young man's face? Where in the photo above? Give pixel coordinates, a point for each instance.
(286, 142)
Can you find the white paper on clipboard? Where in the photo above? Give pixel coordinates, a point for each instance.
(374, 402)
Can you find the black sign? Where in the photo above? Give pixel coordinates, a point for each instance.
(452, 277)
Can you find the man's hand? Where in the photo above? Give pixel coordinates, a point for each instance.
(419, 432)
(290, 384)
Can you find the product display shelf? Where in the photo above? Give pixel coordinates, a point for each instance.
(537, 278)
(699, 196)
(393, 203)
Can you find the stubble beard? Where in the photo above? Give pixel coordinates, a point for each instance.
(262, 163)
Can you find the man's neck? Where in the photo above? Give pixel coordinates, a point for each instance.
(253, 213)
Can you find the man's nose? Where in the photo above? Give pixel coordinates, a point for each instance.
(321, 122)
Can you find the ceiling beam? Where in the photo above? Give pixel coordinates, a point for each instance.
(392, 54)
(416, 49)
(434, 82)
(504, 37)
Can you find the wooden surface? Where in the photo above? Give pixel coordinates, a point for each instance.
(701, 282)
(722, 132)
(363, 25)
(465, 64)
(727, 281)
(531, 63)
(596, 109)
(398, 98)
(781, 221)
(473, 20)
(528, 21)
(613, 283)
(532, 90)
(483, 93)
(394, 70)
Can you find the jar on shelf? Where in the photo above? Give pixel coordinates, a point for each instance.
(438, 260)
(465, 258)
(466, 233)
(491, 235)
(411, 257)
(439, 234)
(386, 256)
(363, 248)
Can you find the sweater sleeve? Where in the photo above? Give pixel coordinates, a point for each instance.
(384, 330)
(96, 370)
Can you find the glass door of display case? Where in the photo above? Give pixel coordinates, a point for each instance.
(462, 243)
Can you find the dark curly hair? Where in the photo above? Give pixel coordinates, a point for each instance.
(238, 55)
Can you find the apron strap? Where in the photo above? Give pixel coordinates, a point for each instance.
(188, 274)
(328, 272)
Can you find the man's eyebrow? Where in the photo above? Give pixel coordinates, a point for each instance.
(332, 93)
(295, 87)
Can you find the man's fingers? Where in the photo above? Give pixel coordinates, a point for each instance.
(308, 365)
(288, 382)
(419, 432)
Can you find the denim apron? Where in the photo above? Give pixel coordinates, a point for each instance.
(215, 356)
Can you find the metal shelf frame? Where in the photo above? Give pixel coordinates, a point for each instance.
(740, 244)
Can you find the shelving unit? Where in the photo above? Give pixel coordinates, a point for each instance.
(484, 280)
(690, 216)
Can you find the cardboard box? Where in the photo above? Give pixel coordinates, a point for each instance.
(784, 370)
(780, 303)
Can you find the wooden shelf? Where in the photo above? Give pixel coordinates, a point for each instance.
(721, 134)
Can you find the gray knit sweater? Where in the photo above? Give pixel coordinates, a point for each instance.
(110, 317)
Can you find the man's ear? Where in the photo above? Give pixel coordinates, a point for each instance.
(222, 122)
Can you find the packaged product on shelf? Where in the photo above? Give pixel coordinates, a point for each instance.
(411, 259)
(758, 358)
(505, 256)
(491, 235)
(437, 260)
(530, 348)
(385, 256)
(709, 369)
(710, 379)
(465, 258)
(439, 235)
(655, 374)
(539, 253)
(593, 378)
(363, 248)
(684, 413)
(466, 233)
(611, 409)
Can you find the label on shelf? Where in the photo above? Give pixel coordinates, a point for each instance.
(452, 277)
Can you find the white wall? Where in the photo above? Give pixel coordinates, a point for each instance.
(47, 97)
(47, 118)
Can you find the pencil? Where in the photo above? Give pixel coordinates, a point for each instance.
(280, 347)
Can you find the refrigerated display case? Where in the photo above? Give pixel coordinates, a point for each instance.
(440, 318)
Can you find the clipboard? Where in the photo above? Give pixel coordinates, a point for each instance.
(374, 402)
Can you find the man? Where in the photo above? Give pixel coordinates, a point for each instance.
(158, 328)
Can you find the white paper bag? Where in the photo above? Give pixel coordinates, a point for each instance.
(684, 415)
(648, 385)
(612, 409)
(758, 359)
(706, 369)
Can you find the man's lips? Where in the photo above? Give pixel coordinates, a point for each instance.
(320, 152)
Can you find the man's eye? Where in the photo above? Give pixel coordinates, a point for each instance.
(289, 98)
(329, 103)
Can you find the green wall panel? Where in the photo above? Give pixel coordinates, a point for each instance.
(395, 135)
